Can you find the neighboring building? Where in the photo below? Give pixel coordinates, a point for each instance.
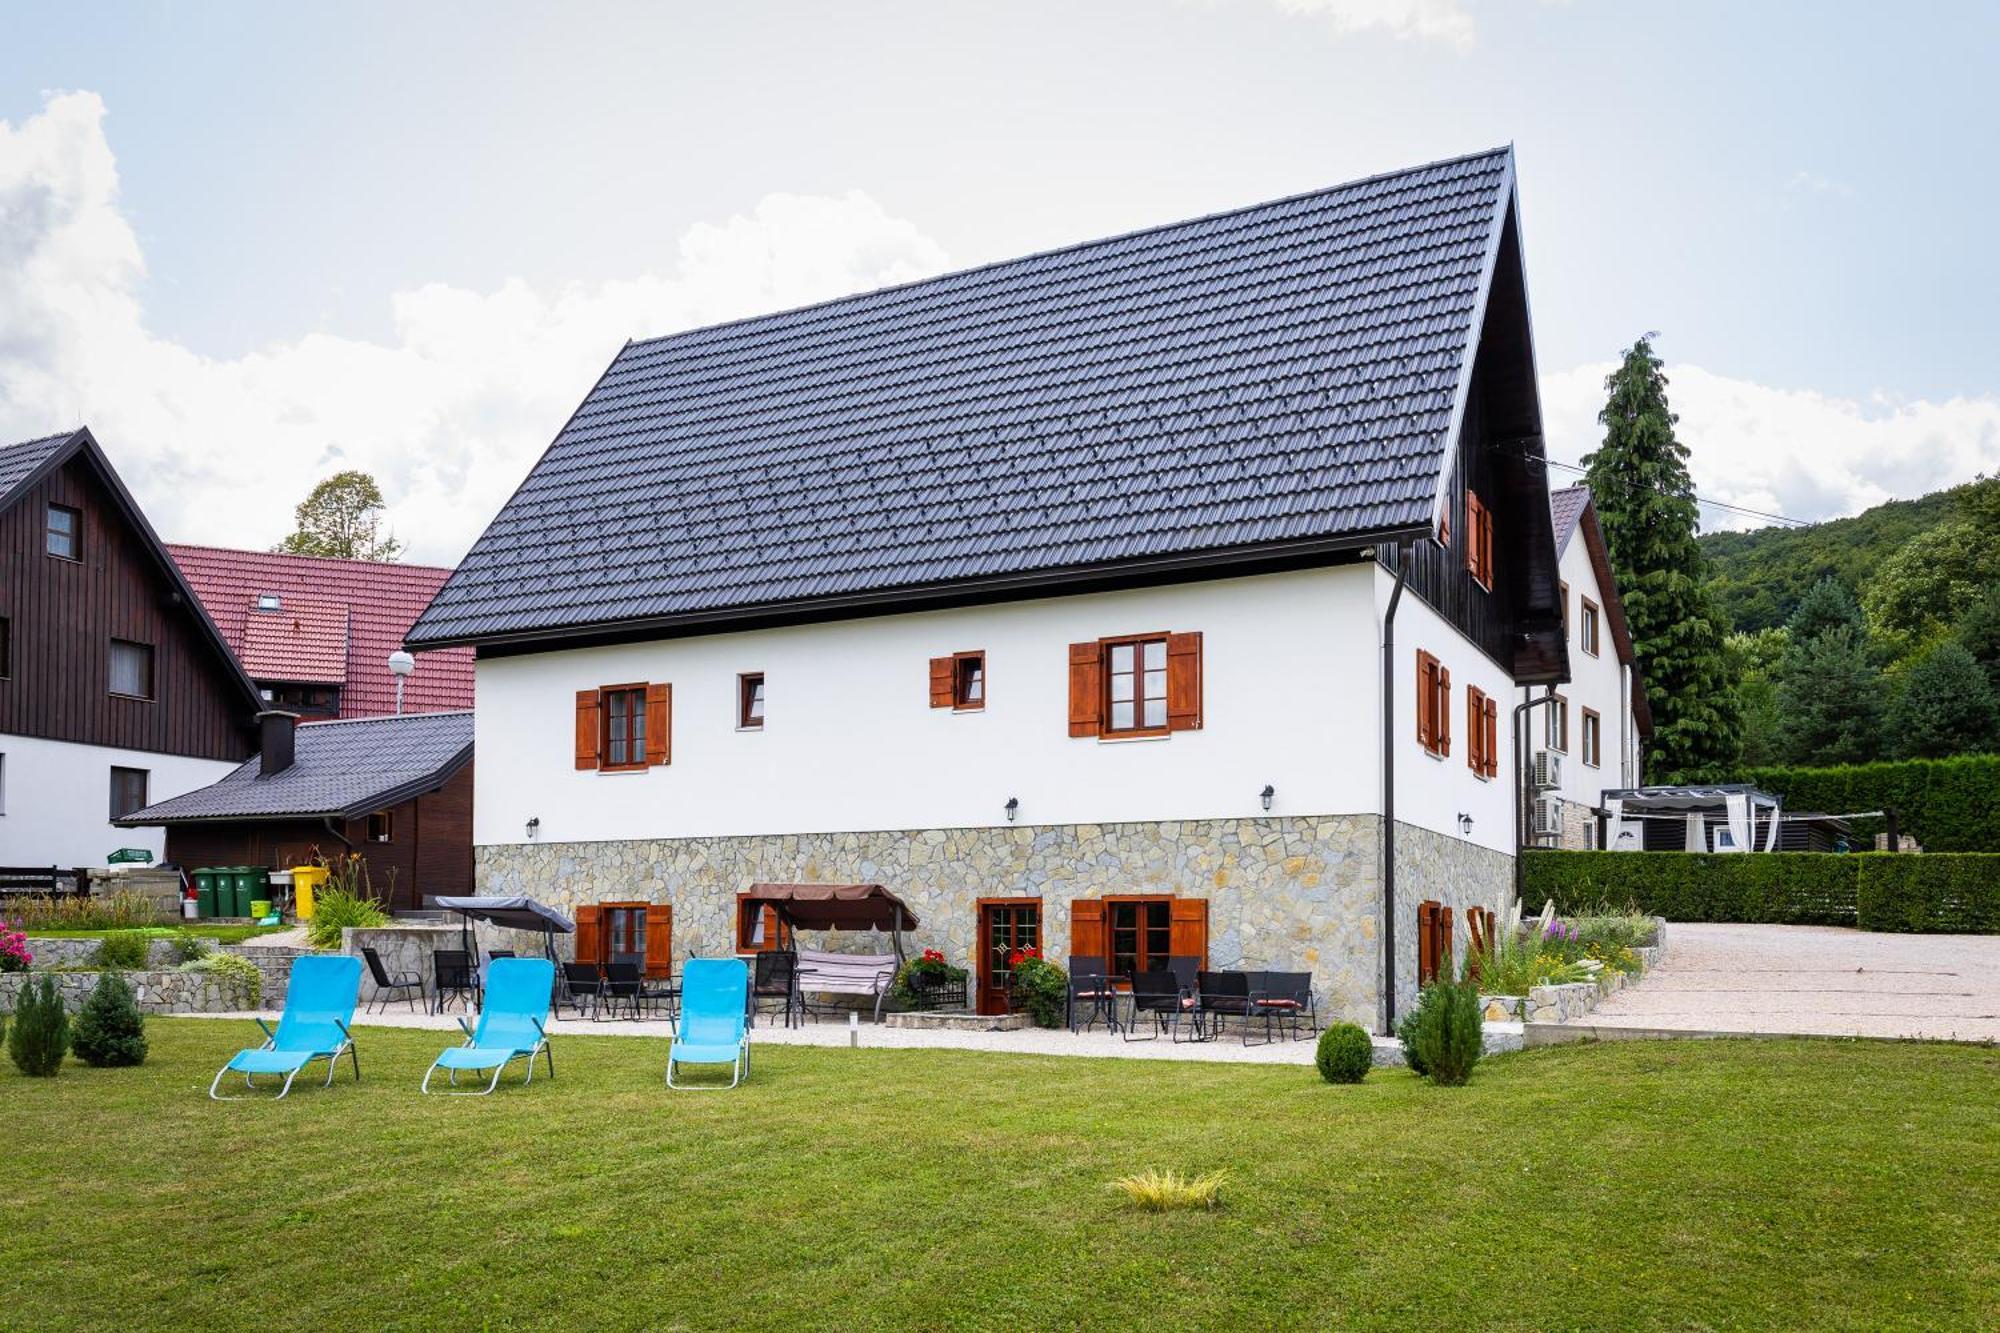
(1593, 736)
(396, 790)
(316, 634)
(115, 689)
(1053, 595)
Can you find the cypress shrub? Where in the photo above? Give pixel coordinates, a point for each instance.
(1947, 805)
(1345, 1054)
(1444, 1036)
(110, 1030)
(40, 1033)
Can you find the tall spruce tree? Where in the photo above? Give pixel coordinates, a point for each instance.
(1646, 504)
(1945, 708)
(1827, 605)
(1830, 701)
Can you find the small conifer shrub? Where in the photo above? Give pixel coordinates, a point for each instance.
(1345, 1053)
(40, 1032)
(110, 1031)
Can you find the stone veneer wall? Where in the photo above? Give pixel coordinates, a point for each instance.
(1283, 892)
(1451, 871)
(156, 992)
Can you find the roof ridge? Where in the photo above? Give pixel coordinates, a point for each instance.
(385, 717)
(300, 555)
(1070, 248)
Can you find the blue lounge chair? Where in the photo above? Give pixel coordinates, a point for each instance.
(715, 996)
(510, 1025)
(319, 1004)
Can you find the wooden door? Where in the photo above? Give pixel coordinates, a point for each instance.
(1005, 924)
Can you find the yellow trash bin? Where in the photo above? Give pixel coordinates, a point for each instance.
(306, 880)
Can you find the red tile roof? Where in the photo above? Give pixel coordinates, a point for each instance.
(349, 616)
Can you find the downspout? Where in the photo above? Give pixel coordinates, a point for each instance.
(1403, 554)
(1521, 799)
(328, 821)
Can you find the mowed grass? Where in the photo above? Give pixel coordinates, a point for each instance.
(1638, 1185)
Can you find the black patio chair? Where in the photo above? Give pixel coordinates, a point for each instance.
(661, 993)
(1187, 972)
(1161, 995)
(411, 983)
(456, 979)
(776, 977)
(622, 984)
(1223, 995)
(582, 985)
(1284, 1000)
(1092, 996)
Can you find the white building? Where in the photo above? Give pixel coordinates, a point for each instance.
(1158, 597)
(1591, 736)
(115, 688)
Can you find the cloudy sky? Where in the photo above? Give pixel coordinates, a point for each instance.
(251, 244)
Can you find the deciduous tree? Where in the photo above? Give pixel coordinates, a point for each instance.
(342, 518)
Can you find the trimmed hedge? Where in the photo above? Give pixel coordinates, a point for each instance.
(1947, 893)
(1947, 805)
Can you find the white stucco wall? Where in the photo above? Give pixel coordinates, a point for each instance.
(1291, 679)
(56, 798)
(1432, 791)
(1597, 682)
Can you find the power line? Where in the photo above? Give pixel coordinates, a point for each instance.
(1783, 519)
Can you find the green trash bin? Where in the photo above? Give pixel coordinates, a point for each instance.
(249, 886)
(204, 890)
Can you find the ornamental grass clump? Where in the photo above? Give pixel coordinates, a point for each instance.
(348, 899)
(40, 1031)
(1167, 1191)
(1345, 1053)
(1443, 1037)
(110, 1030)
(117, 910)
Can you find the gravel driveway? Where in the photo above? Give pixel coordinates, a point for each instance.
(1817, 980)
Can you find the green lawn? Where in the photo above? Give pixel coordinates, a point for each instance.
(1636, 1185)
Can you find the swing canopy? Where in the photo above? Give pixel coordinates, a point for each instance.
(833, 906)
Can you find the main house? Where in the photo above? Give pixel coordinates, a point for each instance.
(116, 690)
(1159, 595)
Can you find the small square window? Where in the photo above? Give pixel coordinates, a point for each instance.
(750, 701)
(128, 791)
(132, 669)
(65, 532)
(381, 827)
(968, 680)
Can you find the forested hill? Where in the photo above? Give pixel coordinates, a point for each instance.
(1760, 575)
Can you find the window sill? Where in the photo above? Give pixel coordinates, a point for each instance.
(623, 770)
(135, 698)
(1127, 737)
(752, 730)
(968, 708)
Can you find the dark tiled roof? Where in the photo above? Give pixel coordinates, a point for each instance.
(345, 769)
(379, 601)
(1565, 508)
(1287, 373)
(18, 461)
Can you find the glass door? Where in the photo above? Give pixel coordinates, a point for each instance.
(1005, 927)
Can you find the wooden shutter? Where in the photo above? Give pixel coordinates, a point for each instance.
(659, 724)
(1426, 696)
(1087, 937)
(1184, 681)
(944, 680)
(1492, 738)
(1427, 942)
(1475, 729)
(589, 934)
(1188, 930)
(660, 940)
(1443, 711)
(588, 730)
(1086, 689)
(1447, 964)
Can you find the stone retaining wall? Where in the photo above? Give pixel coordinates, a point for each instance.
(74, 953)
(1566, 1004)
(157, 992)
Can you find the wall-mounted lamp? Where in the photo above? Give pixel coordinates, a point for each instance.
(1464, 825)
(534, 826)
(1267, 795)
(1013, 808)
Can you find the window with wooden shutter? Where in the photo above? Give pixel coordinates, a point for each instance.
(1184, 681)
(1475, 729)
(1492, 730)
(588, 730)
(1190, 930)
(1434, 948)
(942, 672)
(1086, 688)
(1433, 704)
(1442, 710)
(756, 927)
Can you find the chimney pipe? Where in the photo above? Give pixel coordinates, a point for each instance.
(274, 741)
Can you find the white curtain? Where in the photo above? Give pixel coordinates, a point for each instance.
(1741, 839)
(1697, 833)
(1771, 838)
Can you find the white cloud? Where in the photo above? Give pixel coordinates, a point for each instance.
(1446, 21)
(448, 414)
(1792, 451)
(1812, 182)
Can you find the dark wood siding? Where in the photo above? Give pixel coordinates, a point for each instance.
(430, 851)
(63, 615)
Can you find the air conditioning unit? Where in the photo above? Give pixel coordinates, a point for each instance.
(1548, 774)
(1548, 819)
